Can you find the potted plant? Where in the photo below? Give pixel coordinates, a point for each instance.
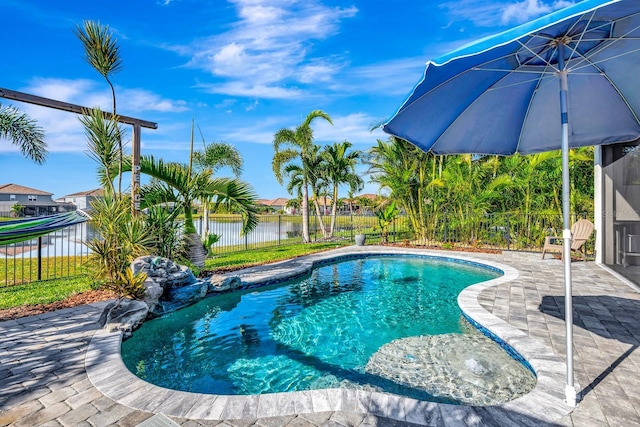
(359, 237)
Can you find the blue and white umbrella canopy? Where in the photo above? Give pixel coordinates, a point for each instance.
(568, 79)
(499, 95)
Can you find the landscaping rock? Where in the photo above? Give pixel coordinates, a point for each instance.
(169, 286)
(181, 297)
(153, 294)
(124, 315)
(165, 272)
(221, 283)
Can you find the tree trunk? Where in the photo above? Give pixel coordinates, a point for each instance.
(334, 211)
(197, 251)
(322, 227)
(205, 219)
(305, 214)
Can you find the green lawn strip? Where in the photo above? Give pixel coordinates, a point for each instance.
(43, 292)
(253, 257)
(48, 291)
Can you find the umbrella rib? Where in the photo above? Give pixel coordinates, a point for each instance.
(590, 63)
(498, 70)
(535, 53)
(542, 74)
(580, 39)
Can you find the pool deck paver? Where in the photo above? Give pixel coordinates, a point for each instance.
(44, 362)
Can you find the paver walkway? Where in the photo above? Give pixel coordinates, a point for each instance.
(43, 379)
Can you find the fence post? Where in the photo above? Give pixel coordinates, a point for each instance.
(445, 227)
(279, 227)
(39, 258)
(246, 243)
(394, 232)
(508, 232)
(351, 228)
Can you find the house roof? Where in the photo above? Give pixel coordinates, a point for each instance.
(20, 189)
(368, 196)
(96, 192)
(280, 201)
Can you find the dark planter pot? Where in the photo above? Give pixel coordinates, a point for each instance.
(360, 239)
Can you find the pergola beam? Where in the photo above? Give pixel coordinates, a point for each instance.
(66, 106)
(78, 109)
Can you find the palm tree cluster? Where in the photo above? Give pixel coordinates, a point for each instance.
(172, 190)
(466, 188)
(308, 167)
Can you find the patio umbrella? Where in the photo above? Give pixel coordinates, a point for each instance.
(500, 95)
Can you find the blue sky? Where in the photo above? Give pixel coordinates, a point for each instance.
(241, 69)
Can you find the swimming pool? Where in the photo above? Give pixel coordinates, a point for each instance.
(359, 323)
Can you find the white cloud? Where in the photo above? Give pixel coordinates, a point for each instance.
(527, 9)
(143, 100)
(355, 128)
(392, 78)
(270, 47)
(253, 106)
(240, 88)
(497, 12)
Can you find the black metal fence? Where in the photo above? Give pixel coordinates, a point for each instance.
(57, 254)
(63, 253)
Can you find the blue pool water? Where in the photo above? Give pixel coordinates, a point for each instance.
(319, 331)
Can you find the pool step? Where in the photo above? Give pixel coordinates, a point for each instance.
(158, 420)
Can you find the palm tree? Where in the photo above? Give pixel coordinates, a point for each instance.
(213, 157)
(23, 131)
(103, 54)
(340, 169)
(174, 183)
(295, 145)
(318, 183)
(400, 167)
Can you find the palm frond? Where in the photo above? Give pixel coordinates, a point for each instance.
(23, 131)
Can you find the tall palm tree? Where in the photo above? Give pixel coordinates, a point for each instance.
(318, 183)
(103, 54)
(356, 184)
(295, 146)
(179, 186)
(340, 169)
(23, 131)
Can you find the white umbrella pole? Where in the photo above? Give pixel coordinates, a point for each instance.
(570, 390)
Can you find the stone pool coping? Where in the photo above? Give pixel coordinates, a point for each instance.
(544, 403)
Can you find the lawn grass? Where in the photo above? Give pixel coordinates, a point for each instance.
(252, 257)
(15, 271)
(43, 292)
(48, 291)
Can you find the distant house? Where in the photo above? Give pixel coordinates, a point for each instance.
(33, 202)
(83, 199)
(276, 205)
(360, 205)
